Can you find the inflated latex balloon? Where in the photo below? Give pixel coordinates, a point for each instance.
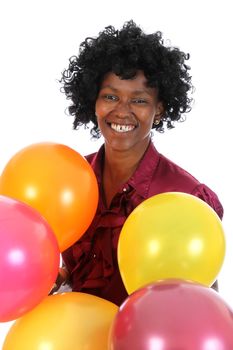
(65, 321)
(58, 182)
(29, 258)
(171, 235)
(173, 315)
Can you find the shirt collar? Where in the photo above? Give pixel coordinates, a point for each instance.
(97, 164)
(142, 176)
(141, 179)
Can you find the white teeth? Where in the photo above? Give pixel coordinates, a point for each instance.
(122, 128)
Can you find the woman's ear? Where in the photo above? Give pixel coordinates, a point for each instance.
(160, 110)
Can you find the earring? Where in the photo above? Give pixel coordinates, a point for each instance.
(156, 122)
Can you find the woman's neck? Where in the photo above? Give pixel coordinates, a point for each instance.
(119, 166)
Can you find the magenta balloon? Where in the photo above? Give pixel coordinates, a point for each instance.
(173, 315)
(29, 258)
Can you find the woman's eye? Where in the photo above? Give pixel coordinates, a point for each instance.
(110, 97)
(139, 101)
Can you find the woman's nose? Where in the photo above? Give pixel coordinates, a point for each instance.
(122, 109)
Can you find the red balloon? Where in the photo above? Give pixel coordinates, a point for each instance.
(29, 260)
(173, 314)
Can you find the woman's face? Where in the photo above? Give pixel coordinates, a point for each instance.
(126, 110)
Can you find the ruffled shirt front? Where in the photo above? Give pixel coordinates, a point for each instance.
(92, 260)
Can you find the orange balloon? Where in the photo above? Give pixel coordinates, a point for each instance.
(59, 183)
(67, 321)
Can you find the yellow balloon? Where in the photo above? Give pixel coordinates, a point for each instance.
(171, 235)
(67, 321)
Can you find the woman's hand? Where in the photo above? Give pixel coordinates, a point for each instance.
(215, 286)
(62, 278)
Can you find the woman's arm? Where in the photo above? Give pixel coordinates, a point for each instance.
(62, 278)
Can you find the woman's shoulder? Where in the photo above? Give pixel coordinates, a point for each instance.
(90, 157)
(96, 157)
(203, 192)
(170, 177)
(173, 176)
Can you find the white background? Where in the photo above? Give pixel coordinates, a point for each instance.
(38, 37)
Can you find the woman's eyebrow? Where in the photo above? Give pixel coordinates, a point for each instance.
(134, 92)
(108, 87)
(144, 91)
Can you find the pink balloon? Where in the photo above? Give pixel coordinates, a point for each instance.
(173, 315)
(29, 258)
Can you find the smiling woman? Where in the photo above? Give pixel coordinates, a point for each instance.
(125, 111)
(126, 83)
(128, 107)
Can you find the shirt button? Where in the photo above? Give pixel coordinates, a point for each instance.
(94, 256)
(124, 189)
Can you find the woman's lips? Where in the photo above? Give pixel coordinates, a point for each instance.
(121, 127)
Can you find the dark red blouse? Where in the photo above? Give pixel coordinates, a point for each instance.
(92, 261)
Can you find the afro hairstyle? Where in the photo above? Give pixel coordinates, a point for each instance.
(124, 52)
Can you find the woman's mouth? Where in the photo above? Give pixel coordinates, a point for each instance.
(122, 127)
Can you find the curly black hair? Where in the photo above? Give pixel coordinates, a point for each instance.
(124, 52)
